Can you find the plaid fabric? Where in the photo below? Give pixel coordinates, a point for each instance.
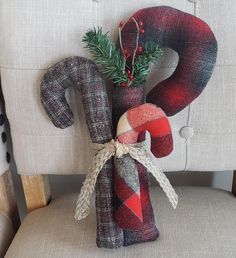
(123, 99)
(196, 45)
(191, 38)
(83, 74)
(128, 214)
(146, 117)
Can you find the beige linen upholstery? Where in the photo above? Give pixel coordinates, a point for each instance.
(202, 226)
(36, 34)
(6, 233)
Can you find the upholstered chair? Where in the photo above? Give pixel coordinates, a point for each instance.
(37, 34)
(9, 219)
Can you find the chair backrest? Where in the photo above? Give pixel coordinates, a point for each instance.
(9, 217)
(35, 35)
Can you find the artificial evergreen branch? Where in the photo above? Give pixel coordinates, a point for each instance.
(115, 61)
(106, 54)
(151, 54)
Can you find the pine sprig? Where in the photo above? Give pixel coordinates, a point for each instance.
(106, 54)
(151, 54)
(124, 68)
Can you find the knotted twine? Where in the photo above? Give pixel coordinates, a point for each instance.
(114, 148)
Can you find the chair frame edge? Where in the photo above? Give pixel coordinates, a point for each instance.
(234, 183)
(36, 191)
(8, 203)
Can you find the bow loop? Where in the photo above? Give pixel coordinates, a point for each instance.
(120, 149)
(114, 148)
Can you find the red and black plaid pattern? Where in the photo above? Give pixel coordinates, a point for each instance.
(195, 44)
(122, 100)
(146, 117)
(128, 214)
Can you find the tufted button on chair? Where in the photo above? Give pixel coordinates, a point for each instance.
(37, 34)
(9, 219)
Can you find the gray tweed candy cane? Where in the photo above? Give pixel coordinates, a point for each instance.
(83, 74)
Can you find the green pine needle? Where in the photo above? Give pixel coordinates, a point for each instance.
(106, 54)
(113, 62)
(151, 54)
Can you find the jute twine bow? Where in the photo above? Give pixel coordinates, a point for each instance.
(114, 148)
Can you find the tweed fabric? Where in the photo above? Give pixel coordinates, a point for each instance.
(83, 74)
(122, 100)
(195, 44)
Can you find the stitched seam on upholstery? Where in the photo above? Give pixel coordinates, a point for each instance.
(187, 141)
(196, 9)
(189, 111)
(172, 65)
(196, 131)
(22, 68)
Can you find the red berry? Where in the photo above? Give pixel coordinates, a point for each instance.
(142, 31)
(128, 72)
(123, 84)
(140, 49)
(127, 55)
(140, 23)
(121, 24)
(131, 77)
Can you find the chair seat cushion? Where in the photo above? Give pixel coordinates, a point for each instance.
(203, 225)
(6, 233)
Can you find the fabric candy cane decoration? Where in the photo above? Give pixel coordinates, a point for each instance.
(83, 74)
(124, 98)
(146, 117)
(196, 45)
(131, 124)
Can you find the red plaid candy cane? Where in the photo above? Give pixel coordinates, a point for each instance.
(146, 117)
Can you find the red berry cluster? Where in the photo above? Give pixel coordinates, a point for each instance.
(127, 55)
(124, 84)
(141, 30)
